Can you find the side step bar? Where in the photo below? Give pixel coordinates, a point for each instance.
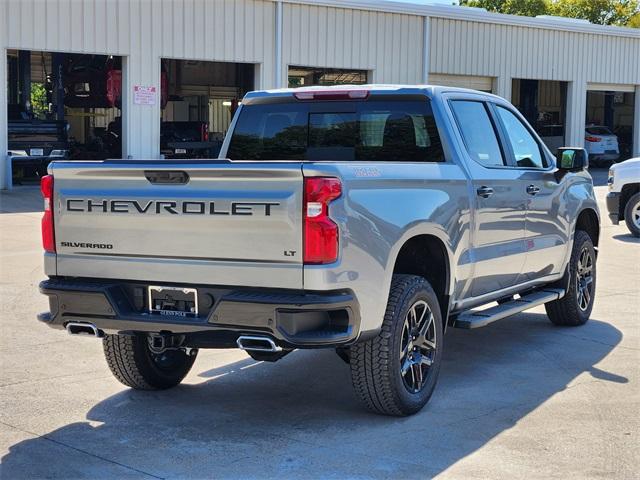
(476, 319)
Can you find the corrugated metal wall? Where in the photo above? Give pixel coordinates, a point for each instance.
(388, 44)
(474, 48)
(223, 30)
(509, 51)
(144, 31)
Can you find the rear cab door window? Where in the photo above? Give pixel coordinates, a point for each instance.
(478, 132)
(525, 151)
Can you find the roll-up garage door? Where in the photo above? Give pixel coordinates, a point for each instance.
(464, 81)
(610, 87)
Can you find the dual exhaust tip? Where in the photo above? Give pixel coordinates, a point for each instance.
(81, 328)
(244, 342)
(257, 344)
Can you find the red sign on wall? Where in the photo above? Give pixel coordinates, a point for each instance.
(144, 95)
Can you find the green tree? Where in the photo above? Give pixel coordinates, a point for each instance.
(39, 105)
(529, 8)
(602, 12)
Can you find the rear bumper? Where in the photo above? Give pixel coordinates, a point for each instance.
(292, 318)
(613, 207)
(605, 156)
(29, 162)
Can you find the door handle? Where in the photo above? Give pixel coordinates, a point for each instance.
(532, 189)
(485, 192)
(167, 177)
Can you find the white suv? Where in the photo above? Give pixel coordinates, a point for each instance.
(623, 200)
(601, 145)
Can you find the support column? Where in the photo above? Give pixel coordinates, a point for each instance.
(576, 113)
(140, 123)
(279, 67)
(5, 166)
(426, 54)
(636, 122)
(502, 87)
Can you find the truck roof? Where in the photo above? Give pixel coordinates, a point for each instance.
(429, 90)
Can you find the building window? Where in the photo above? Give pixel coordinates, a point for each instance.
(307, 76)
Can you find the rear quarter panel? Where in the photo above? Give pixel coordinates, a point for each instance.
(381, 207)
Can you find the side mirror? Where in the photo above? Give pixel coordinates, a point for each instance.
(572, 159)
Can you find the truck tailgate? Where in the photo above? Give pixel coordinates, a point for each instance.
(208, 222)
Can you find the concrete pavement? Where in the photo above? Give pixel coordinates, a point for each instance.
(517, 399)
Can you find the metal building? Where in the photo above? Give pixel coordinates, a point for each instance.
(562, 74)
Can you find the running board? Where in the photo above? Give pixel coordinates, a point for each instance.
(476, 319)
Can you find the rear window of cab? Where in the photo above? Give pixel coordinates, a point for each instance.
(392, 131)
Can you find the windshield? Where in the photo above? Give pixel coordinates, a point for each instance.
(341, 131)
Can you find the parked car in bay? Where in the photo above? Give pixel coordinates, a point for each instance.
(601, 145)
(187, 140)
(33, 143)
(623, 199)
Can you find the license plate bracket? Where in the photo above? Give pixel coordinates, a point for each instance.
(173, 301)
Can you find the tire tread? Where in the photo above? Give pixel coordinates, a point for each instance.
(371, 361)
(565, 311)
(130, 364)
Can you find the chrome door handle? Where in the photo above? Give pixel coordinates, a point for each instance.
(485, 192)
(533, 190)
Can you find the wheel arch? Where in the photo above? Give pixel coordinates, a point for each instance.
(589, 222)
(427, 255)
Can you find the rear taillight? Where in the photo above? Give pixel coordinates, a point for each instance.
(320, 232)
(48, 237)
(592, 139)
(204, 134)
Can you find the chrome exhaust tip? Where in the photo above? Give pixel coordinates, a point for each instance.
(81, 328)
(257, 344)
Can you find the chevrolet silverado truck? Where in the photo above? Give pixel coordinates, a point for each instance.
(366, 219)
(623, 199)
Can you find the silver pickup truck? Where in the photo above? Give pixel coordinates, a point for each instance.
(365, 219)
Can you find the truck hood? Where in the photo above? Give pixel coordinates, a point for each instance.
(632, 163)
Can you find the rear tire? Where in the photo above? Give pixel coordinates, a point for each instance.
(575, 307)
(632, 215)
(396, 372)
(134, 365)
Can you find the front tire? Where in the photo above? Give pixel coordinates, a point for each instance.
(396, 372)
(133, 363)
(575, 307)
(632, 215)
